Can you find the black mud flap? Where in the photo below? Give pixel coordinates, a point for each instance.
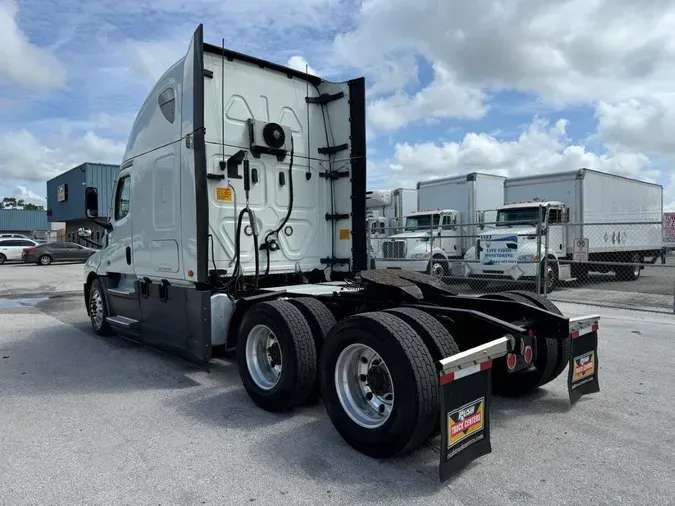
(465, 390)
(582, 377)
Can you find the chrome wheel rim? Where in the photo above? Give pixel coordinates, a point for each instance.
(96, 308)
(364, 386)
(44, 261)
(263, 357)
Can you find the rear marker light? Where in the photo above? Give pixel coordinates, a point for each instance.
(511, 361)
(527, 355)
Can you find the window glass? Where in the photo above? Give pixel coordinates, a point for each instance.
(167, 104)
(122, 198)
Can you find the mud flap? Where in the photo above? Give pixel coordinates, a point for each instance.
(582, 377)
(465, 390)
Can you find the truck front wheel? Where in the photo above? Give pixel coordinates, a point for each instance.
(379, 384)
(438, 267)
(276, 355)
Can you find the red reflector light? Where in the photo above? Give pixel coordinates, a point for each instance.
(511, 361)
(527, 355)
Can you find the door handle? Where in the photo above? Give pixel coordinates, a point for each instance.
(128, 251)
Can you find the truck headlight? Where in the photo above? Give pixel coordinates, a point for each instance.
(420, 255)
(528, 258)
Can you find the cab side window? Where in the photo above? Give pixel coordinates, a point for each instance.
(122, 198)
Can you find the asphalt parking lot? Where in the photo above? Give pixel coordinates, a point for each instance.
(88, 420)
(18, 278)
(653, 291)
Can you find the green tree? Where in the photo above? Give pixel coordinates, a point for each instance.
(14, 203)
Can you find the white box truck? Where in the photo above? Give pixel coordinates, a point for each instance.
(475, 196)
(607, 219)
(385, 212)
(219, 172)
(451, 212)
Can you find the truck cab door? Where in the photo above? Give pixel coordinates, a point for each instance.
(117, 261)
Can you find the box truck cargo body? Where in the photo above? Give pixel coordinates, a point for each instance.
(475, 196)
(450, 213)
(609, 218)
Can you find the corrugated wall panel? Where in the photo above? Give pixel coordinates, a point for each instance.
(73, 207)
(103, 177)
(18, 220)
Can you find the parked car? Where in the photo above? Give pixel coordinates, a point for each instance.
(11, 249)
(45, 254)
(13, 236)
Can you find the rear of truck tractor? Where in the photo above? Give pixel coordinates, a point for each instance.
(399, 360)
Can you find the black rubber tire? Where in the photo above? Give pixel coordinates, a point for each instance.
(299, 357)
(436, 337)
(104, 329)
(627, 273)
(414, 378)
(544, 278)
(564, 346)
(445, 264)
(46, 257)
(522, 382)
(320, 321)
(3, 259)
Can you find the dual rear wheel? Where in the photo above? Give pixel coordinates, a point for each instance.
(374, 370)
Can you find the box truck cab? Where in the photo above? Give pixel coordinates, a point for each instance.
(386, 211)
(514, 249)
(425, 245)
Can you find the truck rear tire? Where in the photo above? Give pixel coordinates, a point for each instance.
(276, 355)
(630, 272)
(320, 321)
(564, 346)
(520, 382)
(436, 337)
(379, 384)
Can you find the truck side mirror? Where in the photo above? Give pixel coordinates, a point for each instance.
(91, 202)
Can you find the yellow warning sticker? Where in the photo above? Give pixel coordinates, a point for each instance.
(345, 234)
(223, 194)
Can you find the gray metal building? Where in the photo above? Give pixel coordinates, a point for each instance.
(65, 197)
(20, 221)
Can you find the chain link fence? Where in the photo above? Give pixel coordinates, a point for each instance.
(619, 264)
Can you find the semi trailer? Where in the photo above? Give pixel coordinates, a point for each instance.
(616, 221)
(238, 224)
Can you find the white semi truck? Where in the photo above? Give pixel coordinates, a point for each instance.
(615, 221)
(458, 208)
(386, 211)
(239, 223)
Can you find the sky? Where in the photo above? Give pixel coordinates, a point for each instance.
(510, 87)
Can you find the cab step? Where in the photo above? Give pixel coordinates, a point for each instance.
(122, 321)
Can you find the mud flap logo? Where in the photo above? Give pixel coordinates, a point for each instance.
(584, 369)
(465, 422)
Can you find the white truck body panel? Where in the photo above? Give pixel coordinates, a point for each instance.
(595, 198)
(468, 194)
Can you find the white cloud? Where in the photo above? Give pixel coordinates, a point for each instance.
(443, 98)
(299, 63)
(540, 148)
(22, 62)
(24, 157)
(639, 124)
(24, 193)
(566, 52)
